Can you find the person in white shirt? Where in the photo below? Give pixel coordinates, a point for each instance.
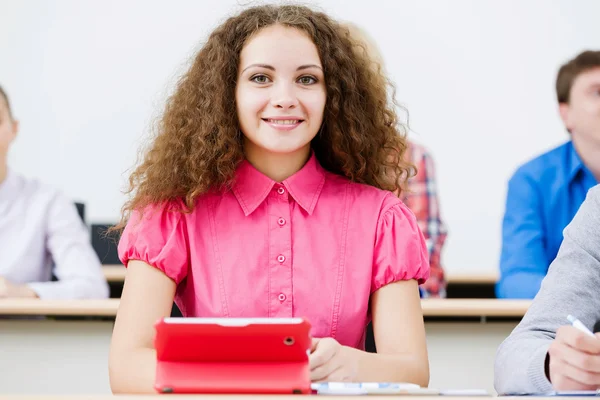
(40, 234)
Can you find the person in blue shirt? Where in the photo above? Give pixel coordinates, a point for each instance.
(545, 193)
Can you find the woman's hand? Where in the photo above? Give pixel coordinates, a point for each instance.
(11, 290)
(331, 362)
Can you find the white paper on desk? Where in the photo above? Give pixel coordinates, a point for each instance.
(561, 393)
(368, 388)
(573, 393)
(379, 392)
(464, 392)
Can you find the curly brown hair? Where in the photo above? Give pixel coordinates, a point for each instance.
(199, 144)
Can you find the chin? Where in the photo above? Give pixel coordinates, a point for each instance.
(267, 143)
(285, 150)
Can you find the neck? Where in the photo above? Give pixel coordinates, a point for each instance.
(277, 166)
(589, 152)
(3, 170)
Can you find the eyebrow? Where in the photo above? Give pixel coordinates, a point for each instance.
(272, 68)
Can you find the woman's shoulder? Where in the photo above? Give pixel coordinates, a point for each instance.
(32, 190)
(360, 194)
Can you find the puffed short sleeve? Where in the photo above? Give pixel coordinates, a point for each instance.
(400, 250)
(158, 237)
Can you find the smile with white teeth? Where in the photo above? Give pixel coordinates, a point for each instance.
(283, 121)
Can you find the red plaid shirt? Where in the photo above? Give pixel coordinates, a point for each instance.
(422, 198)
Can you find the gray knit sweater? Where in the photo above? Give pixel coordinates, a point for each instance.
(572, 286)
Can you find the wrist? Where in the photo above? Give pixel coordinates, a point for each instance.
(359, 361)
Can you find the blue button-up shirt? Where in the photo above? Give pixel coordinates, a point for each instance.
(543, 197)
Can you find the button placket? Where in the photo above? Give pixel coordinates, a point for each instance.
(280, 252)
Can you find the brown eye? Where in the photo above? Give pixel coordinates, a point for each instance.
(260, 79)
(307, 80)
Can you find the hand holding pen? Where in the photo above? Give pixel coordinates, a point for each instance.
(573, 360)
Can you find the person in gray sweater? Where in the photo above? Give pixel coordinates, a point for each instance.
(544, 352)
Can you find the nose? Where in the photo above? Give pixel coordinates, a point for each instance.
(284, 96)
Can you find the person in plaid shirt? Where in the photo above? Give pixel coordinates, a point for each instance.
(422, 198)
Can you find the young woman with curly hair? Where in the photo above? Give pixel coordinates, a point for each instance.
(269, 192)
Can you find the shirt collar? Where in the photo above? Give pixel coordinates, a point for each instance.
(251, 187)
(576, 166)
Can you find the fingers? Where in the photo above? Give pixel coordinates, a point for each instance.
(574, 338)
(322, 353)
(574, 360)
(313, 345)
(329, 362)
(325, 373)
(568, 377)
(560, 351)
(563, 383)
(338, 375)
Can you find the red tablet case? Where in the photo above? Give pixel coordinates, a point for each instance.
(229, 355)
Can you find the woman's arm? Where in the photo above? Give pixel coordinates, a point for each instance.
(77, 266)
(147, 296)
(399, 334)
(400, 337)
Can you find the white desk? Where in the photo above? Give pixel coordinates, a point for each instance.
(230, 397)
(44, 356)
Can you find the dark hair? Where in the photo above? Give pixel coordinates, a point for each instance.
(571, 70)
(3, 94)
(198, 144)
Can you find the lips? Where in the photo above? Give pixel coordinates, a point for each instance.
(280, 121)
(283, 123)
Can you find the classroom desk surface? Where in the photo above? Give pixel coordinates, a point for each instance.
(116, 273)
(225, 397)
(108, 308)
(467, 278)
(100, 308)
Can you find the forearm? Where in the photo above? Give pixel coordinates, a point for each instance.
(133, 372)
(77, 266)
(408, 368)
(72, 288)
(20, 292)
(571, 286)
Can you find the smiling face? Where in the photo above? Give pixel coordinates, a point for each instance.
(280, 92)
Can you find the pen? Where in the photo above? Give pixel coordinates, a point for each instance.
(579, 325)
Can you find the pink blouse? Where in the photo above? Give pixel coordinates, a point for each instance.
(315, 245)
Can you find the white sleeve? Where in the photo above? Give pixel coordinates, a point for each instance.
(77, 267)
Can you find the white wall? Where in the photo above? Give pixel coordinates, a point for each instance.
(87, 77)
